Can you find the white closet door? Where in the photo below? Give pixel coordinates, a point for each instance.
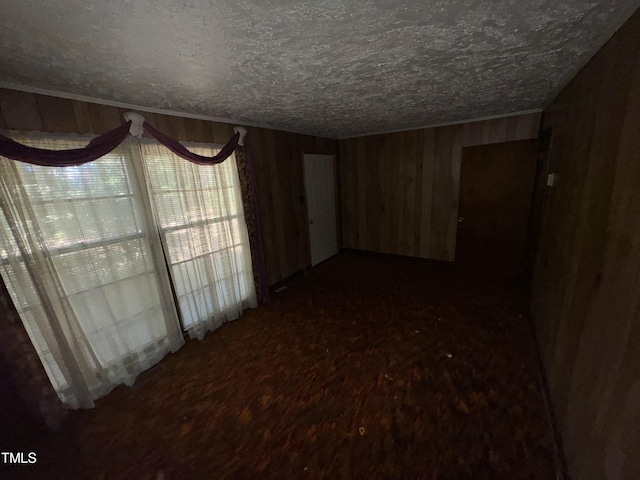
(321, 204)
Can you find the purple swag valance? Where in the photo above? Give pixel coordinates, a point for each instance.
(98, 147)
(179, 149)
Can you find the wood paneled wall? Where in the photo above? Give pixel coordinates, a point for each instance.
(279, 170)
(586, 299)
(400, 190)
(278, 158)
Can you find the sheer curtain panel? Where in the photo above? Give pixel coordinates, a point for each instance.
(199, 212)
(83, 262)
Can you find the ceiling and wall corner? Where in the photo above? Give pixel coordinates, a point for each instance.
(327, 67)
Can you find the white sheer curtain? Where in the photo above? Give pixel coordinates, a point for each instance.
(83, 262)
(199, 211)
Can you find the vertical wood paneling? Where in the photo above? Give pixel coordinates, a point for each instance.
(525, 126)
(150, 118)
(400, 184)
(20, 111)
(499, 130)
(374, 191)
(82, 116)
(409, 192)
(221, 133)
(344, 158)
(385, 186)
(279, 175)
(302, 215)
(486, 132)
(347, 191)
(57, 113)
(402, 193)
(395, 194)
(278, 220)
(278, 159)
(454, 193)
(301, 206)
(362, 193)
(355, 212)
(428, 158)
(256, 137)
(512, 127)
(104, 118)
(354, 225)
(417, 200)
(183, 136)
(195, 129)
(275, 267)
(473, 133)
(441, 207)
(337, 197)
(167, 125)
(207, 131)
(293, 188)
(307, 144)
(586, 296)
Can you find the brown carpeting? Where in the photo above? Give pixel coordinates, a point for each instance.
(371, 367)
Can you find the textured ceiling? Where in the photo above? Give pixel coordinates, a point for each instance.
(334, 68)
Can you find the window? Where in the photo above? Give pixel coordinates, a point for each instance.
(199, 211)
(89, 236)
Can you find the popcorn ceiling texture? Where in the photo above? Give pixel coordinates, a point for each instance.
(325, 67)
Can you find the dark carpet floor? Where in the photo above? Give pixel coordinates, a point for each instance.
(371, 367)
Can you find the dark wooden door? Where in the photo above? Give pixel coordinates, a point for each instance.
(496, 188)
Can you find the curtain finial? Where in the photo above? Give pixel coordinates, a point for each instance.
(136, 129)
(243, 133)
